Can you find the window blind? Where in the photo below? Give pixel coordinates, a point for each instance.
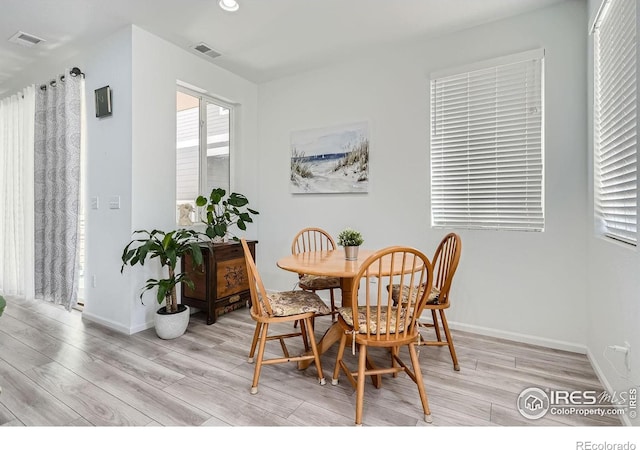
(487, 146)
(615, 120)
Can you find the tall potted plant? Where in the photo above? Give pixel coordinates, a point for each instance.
(220, 213)
(168, 247)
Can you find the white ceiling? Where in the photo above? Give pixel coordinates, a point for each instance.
(265, 39)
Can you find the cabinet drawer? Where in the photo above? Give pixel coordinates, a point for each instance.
(232, 277)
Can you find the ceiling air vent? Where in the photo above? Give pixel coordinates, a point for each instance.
(205, 50)
(26, 39)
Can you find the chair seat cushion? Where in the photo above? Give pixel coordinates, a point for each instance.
(290, 303)
(433, 299)
(347, 314)
(317, 282)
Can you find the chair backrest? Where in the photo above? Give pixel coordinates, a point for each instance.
(312, 239)
(404, 267)
(259, 301)
(445, 263)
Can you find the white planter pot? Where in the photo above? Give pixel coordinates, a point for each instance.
(171, 326)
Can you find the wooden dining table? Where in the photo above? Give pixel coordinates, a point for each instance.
(332, 263)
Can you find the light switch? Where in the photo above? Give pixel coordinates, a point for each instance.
(114, 202)
(95, 203)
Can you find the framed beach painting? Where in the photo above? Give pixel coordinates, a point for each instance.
(330, 160)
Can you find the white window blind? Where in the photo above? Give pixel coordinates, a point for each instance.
(487, 145)
(615, 120)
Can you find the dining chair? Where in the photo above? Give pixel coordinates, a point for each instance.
(313, 239)
(375, 322)
(280, 307)
(445, 263)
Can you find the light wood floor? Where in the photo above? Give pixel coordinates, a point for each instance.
(57, 369)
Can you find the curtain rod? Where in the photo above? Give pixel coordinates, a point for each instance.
(73, 72)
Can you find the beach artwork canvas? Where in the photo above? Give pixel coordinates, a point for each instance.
(330, 160)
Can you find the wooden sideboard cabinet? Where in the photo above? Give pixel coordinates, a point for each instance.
(220, 283)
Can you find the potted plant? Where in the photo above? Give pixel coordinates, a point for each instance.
(221, 213)
(351, 240)
(168, 247)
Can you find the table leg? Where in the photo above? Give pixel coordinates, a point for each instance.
(333, 334)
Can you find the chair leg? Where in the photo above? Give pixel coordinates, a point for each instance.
(394, 363)
(362, 362)
(436, 325)
(333, 306)
(336, 369)
(256, 371)
(304, 332)
(254, 342)
(447, 333)
(421, 390)
(314, 347)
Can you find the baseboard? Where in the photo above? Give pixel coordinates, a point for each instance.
(517, 337)
(605, 383)
(115, 325)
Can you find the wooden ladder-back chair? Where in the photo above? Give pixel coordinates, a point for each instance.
(445, 263)
(381, 324)
(311, 240)
(278, 307)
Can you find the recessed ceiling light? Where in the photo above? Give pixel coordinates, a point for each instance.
(229, 5)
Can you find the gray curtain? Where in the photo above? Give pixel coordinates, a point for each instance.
(57, 190)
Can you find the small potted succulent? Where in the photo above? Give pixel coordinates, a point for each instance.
(351, 240)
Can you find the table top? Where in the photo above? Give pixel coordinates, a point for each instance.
(331, 263)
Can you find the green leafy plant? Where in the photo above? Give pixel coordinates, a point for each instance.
(350, 238)
(168, 248)
(3, 303)
(221, 213)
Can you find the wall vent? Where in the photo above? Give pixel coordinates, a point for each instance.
(205, 50)
(26, 39)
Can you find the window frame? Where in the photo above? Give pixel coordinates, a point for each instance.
(203, 99)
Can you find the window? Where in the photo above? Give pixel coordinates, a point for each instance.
(487, 145)
(615, 120)
(203, 142)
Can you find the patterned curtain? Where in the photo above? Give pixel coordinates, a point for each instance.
(57, 190)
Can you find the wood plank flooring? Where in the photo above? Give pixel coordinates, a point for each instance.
(57, 369)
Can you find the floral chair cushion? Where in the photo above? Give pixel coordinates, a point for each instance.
(317, 282)
(374, 325)
(290, 303)
(433, 299)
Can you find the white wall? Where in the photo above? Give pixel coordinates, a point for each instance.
(157, 65)
(131, 154)
(613, 285)
(108, 173)
(514, 284)
(144, 174)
